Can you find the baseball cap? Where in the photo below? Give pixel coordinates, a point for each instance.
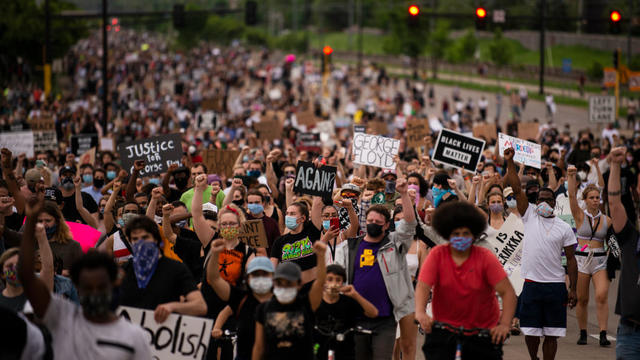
(53, 194)
(67, 169)
(260, 263)
(209, 207)
(33, 176)
(288, 271)
(350, 187)
(386, 172)
(507, 191)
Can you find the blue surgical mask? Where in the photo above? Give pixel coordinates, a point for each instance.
(461, 243)
(111, 174)
(255, 208)
(397, 224)
(245, 158)
(181, 223)
(291, 222)
(566, 185)
(87, 178)
(326, 224)
(154, 181)
(512, 203)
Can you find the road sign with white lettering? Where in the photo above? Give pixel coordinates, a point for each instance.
(602, 109)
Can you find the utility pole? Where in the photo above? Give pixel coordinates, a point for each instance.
(543, 6)
(631, 13)
(47, 48)
(105, 58)
(359, 37)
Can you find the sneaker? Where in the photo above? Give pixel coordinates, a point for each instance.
(603, 339)
(515, 327)
(583, 337)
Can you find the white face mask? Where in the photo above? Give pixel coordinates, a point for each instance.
(285, 295)
(260, 285)
(512, 203)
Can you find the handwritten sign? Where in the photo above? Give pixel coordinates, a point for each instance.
(157, 152)
(81, 143)
(253, 234)
(507, 244)
(526, 152)
(417, 129)
(528, 130)
(602, 109)
(19, 142)
(180, 337)
(374, 150)
(458, 150)
(314, 181)
(44, 140)
(107, 144)
(220, 162)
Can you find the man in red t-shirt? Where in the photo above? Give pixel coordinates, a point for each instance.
(464, 279)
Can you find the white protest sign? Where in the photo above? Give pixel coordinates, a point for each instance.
(180, 337)
(602, 109)
(44, 140)
(19, 142)
(527, 153)
(507, 244)
(374, 150)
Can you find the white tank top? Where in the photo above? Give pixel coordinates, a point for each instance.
(412, 264)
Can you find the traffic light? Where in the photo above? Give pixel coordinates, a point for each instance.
(412, 16)
(414, 10)
(250, 15)
(326, 58)
(616, 58)
(179, 20)
(481, 18)
(614, 22)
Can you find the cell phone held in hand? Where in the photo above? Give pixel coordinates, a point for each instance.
(335, 223)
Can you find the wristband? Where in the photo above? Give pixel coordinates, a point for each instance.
(613, 193)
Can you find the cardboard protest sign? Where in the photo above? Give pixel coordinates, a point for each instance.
(214, 103)
(602, 109)
(44, 140)
(417, 129)
(220, 162)
(107, 144)
(528, 130)
(81, 143)
(374, 150)
(527, 152)
(306, 114)
(308, 142)
(485, 131)
(19, 142)
(207, 120)
(563, 210)
(326, 127)
(507, 244)
(43, 122)
(157, 152)
(180, 337)
(89, 157)
(314, 181)
(253, 234)
(458, 150)
(269, 129)
(378, 127)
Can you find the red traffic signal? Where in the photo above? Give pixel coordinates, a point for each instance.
(327, 50)
(481, 13)
(414, 10)
(615, 16)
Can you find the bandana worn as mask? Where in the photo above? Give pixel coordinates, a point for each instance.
(11, 276)
(51, 231)
(544, 209)
(229, 233)
(461, 243)
(145, 261)
(96, 305)
(438, 194)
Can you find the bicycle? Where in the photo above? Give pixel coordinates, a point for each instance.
(460, 333)
(338, 337)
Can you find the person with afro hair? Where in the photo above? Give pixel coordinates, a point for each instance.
(464, 278)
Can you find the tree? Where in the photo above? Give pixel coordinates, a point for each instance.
(463, 49)
(189, 35)
(405, 38)
(438, 44)
(500, 51)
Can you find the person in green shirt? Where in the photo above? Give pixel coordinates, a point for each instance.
(214, 188)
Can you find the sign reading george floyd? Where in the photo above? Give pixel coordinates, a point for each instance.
(458, 150)
(374, 150)
(177, 338)
(81, 143)
(254, 234)
(157, 152)
(314, 181)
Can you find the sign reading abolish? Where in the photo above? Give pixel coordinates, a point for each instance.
(374, 150)
(527, 152)
(314, 181)
(602, 109)
(253, 234)
(458, 150)
(507, 244)
(179, 337)
(157, 152)
(81, 143)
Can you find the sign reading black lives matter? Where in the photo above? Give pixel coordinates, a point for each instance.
(458, 150)
(314, 181)
(157, 152)
(81, 143)
(374, 150)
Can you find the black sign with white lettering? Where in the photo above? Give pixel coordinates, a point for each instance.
(458, 150)
(157, 152)
(308, 142)
(314, 181)
(81, 143)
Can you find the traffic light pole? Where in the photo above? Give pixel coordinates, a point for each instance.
(47, 48)
(543, 5)
(105, 58)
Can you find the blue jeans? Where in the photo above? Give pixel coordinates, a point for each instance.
(628, 341)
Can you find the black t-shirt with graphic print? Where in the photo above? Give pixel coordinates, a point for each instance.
(297, 247)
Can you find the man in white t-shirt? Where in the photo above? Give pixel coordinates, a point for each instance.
(544, 297)
(90, 331)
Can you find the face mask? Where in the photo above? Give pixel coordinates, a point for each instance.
(238, 203)
(67, 183)
(396, 224)
(389, 187)
(98, 183)
(326, 224)
(154, 181)
(145, 261)
(582, 175)
(121, 222)
(181, 223)
(566, 185)
(285, 295)
(51, 231)
(291, 222)
(245, 158)
(253, 173)
(512, 203)
(11, 276)
(126, 218)
(461, 243)
(87, 179)
(260, 285)
(496, 208)
(96, 305)
(267, 199)
(181, 182)
(438, 194)
(544, 210)
(255, 209)
(229, 233)
(374, 230)
(111, 174)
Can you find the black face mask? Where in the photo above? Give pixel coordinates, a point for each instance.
(99, 183)
(238, 203)
(181, 183)
(374, 230)
(96, 305)
(267, 199)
